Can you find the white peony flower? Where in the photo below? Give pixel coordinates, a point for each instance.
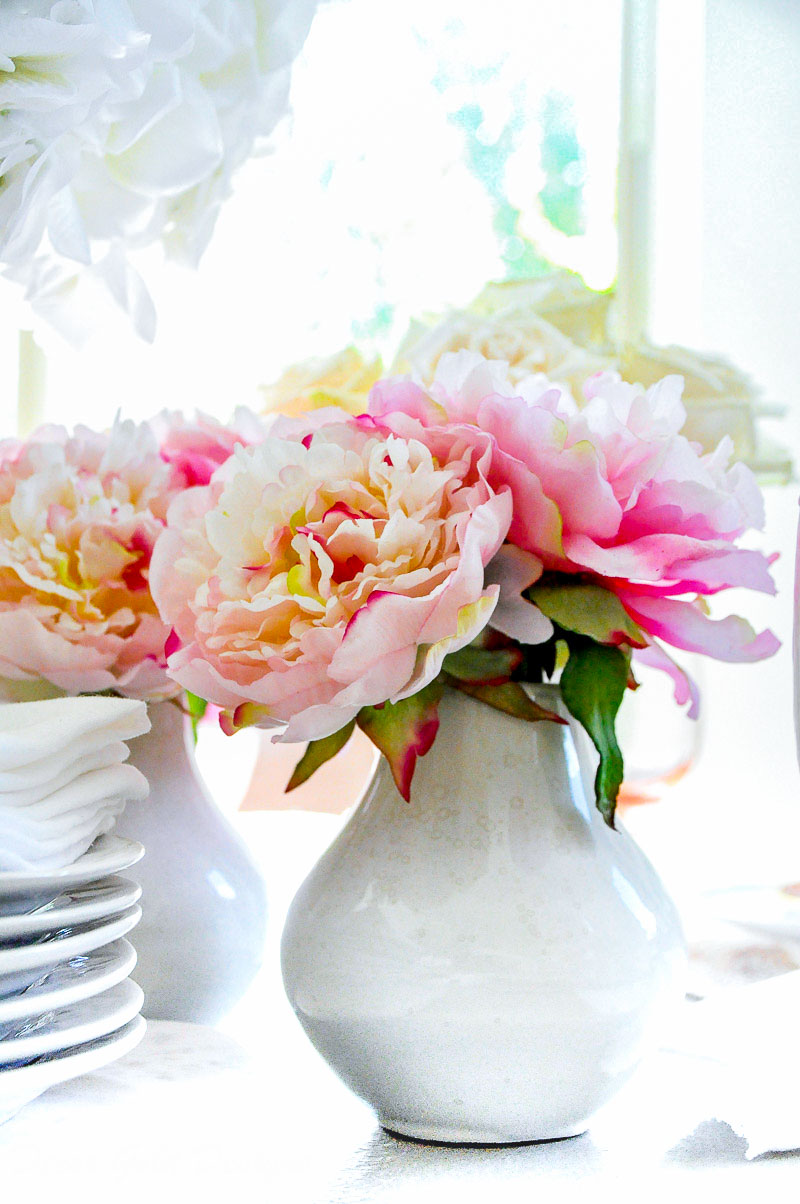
(121, 124)
(719, 398)
(520, 323)
(560, 297)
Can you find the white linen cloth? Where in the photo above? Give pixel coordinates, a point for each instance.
(63, 780)
(733, 1058)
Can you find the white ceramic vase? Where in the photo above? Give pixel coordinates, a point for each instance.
(201, 937)
(489, 962)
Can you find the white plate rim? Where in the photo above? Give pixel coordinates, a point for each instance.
(114, 853)
(18, 958)
(28, 923)
(16, 1007)
(32, 1080)
(122, 1003)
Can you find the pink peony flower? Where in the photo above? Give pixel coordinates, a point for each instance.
(79, 517)
(325, 571)
(613, 493)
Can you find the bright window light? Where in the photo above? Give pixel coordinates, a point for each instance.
(434, 146)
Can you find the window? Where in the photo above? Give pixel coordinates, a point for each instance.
(433, 147)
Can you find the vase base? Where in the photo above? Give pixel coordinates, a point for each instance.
(434, 1135)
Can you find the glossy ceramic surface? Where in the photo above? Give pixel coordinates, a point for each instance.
(20, 1085)
(75, 1024)
(67, 982)
(21, 965)
(489, 962)
(201, 939)
(23, 892)
(79, 905)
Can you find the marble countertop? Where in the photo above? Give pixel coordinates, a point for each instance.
(249, 1107)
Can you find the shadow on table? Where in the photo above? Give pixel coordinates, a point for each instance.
(387, 1163)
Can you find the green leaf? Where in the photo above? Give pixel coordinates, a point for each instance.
(587, 609)
(404, 730)
(482, 665)
(509, 698)
(592, 685)
(317, 753)
(197, 708)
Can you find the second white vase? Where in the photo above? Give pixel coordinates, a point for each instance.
(201, 938)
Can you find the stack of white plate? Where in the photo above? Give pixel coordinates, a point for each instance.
(67, 1005)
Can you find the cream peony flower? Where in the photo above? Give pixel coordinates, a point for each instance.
(318, 575)
(78, 519)
(344, 380)
(121, 124)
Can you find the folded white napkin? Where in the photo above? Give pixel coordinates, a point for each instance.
(52, 857)
(15, 790)
(43, 848)
(58, 729)
(85, 790)
(63, 780)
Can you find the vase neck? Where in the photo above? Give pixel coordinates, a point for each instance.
(166, 753)
(167, 717)
(486, 762)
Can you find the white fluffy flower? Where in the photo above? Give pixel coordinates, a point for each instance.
(122, 123)
(517, 334)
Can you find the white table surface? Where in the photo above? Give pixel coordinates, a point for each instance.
(248, 1111)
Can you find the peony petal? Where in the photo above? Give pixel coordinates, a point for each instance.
(482, 538)
(570, 474)
(315, 722)
(724, 570)
(515, 570)
(666, 557)
(388, 623)
(685, 688)
(684, 625)
(472, 619)
(29, 650)
(401, 394)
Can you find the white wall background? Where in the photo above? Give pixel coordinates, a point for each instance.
(751, 186)
(737, 815)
